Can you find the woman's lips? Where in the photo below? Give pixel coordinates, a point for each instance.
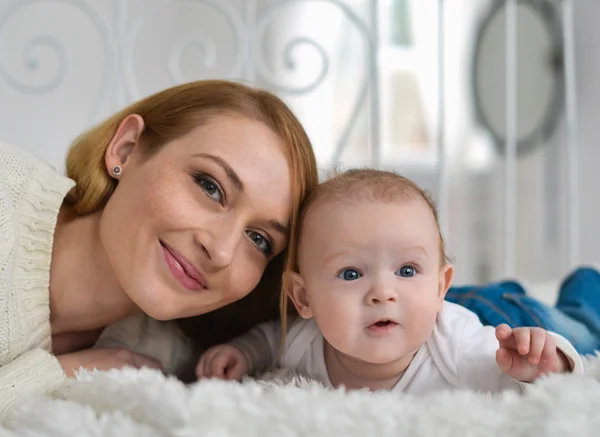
(182, 270)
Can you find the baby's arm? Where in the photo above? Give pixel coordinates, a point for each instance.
(252, 352)
(527, 353)
(494, 359)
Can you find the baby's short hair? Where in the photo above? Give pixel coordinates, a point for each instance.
(367, 186)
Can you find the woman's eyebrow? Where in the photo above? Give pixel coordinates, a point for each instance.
(239, 185)
(231, 174)
(279, 227)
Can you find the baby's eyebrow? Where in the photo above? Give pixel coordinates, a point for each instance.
(330, 258)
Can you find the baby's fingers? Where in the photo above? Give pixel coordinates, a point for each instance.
(504, 360)
(236, 371)
(538, 341)
(522, 340)
(200, 368)
(203, 368)
(218, 365)
(549, 357)
(504, 334)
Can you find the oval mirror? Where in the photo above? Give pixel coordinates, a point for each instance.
(539, 72)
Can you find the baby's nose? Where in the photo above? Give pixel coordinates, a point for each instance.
(380, 295)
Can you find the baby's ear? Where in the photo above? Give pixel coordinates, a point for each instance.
(297, 293)
(445, 281)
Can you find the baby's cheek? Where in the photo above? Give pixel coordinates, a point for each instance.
(334, 309)
(420, 314)
(333, 333)
(337, 320)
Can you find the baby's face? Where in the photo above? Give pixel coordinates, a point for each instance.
(372, 277)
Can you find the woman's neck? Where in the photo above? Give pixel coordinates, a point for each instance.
(84, 293)
(355, 374)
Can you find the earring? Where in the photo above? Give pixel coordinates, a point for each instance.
(116, 170)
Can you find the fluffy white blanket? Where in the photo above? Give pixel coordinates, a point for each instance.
(145, 403)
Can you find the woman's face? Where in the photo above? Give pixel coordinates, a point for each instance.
(191, 228)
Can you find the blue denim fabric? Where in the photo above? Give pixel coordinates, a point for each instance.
(576, 315)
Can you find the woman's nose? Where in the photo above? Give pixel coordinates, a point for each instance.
(220, 244)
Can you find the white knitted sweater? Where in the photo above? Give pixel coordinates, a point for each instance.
(31, 194)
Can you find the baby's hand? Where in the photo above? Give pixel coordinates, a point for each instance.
(224, 362)
(527, 353)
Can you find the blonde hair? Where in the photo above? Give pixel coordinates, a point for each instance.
(170, 114)
(365, 185)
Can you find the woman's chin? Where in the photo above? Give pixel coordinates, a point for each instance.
(169, 300)
(161, 304)
(164, 309)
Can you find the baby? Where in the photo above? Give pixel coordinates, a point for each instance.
(368, 279)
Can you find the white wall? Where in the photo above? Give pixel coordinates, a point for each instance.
(189, 40)
(542, 205)
(587, 14)
(65, 65)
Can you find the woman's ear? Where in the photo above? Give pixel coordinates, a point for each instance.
(123, 143)
(445, 280)
(297, 293)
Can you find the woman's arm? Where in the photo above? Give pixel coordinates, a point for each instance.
(36, 371)
(163, 341)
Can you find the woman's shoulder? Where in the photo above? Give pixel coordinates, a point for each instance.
(21, 172)
(17, 161)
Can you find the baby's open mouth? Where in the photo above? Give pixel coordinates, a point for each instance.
(384, 323)
(382, 326)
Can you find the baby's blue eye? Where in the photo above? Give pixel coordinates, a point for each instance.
(349, 275)
(406, 271)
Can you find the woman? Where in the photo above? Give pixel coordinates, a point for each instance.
(172, 208)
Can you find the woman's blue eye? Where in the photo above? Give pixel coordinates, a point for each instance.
(349, 275)
(261, 242)
(406, 271)
(210, 187)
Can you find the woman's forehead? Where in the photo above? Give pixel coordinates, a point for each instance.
(251, 156)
